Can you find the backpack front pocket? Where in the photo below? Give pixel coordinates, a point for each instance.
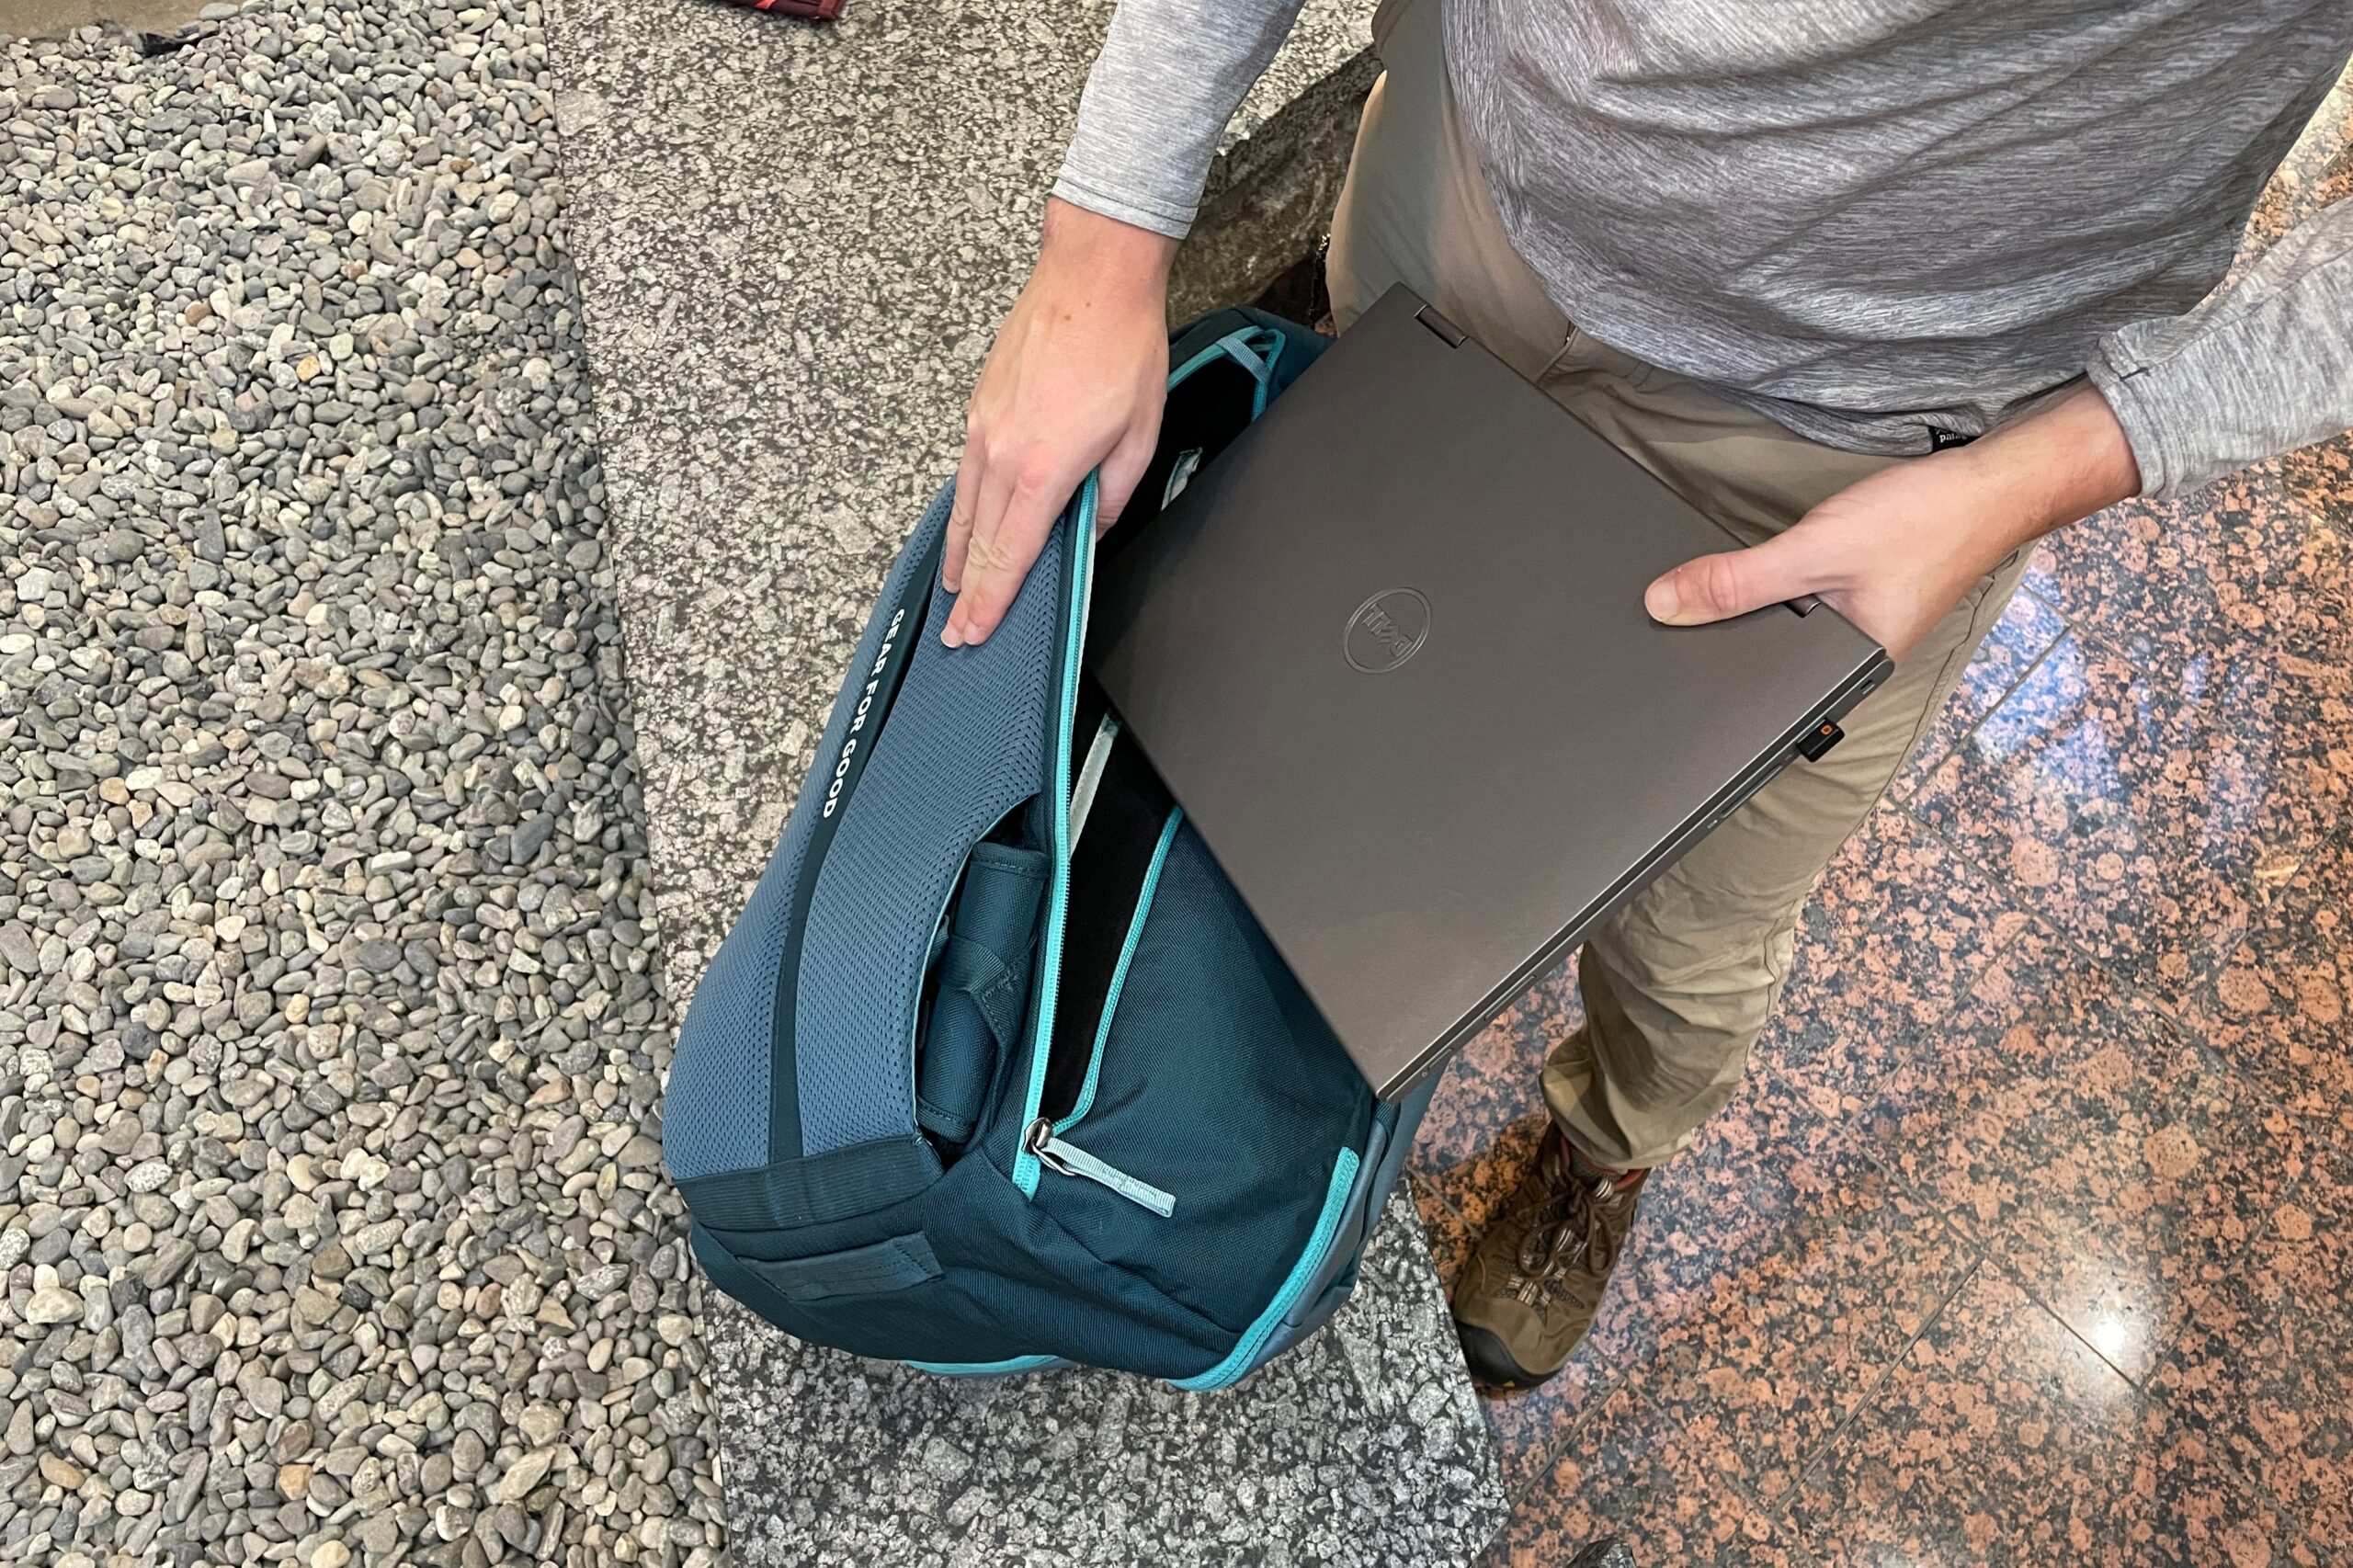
(1210, 1078)
(979, 986)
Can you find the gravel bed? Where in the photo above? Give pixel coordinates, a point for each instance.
(332, 1223)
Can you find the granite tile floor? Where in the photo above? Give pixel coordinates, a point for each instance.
(2025, 1241)
(2028, 1239)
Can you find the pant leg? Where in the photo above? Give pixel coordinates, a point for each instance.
(1415, 209)
(1678, 985)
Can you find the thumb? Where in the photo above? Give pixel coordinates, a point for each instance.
(1717, 587)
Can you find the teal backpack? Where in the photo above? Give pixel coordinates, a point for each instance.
(996, 1072)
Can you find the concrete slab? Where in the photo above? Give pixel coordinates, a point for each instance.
(794, 242)
(1358, 1451)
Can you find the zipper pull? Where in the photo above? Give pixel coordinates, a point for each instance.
(1070, 1160)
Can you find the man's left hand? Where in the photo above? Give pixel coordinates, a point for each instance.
(1897, 550)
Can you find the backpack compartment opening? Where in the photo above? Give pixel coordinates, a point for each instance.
(1111, 863)
(1189, 1103)
(1204, 413)
(1196, 1131)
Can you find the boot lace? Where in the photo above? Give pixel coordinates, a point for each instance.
(1575, 1232)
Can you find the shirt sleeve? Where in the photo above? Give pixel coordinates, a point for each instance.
(1170, 77)
(2262, 368)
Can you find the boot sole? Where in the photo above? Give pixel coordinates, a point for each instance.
(1492, 1366)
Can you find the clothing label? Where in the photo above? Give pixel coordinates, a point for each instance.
(1181, 475)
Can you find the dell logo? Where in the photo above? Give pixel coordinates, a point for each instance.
(1387, 629)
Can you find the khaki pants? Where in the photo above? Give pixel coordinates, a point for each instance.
(1679, 985)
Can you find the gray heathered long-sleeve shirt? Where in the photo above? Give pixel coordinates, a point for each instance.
(1870, 219)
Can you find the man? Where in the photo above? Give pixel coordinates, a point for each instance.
(1892, 288)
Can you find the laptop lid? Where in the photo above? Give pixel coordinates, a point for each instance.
(1389, 653)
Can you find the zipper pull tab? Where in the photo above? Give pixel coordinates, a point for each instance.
(1070, 1160)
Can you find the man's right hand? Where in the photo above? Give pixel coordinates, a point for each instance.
(1076, 379)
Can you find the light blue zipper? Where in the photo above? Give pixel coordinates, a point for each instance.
(1081, 547)
(1070, 1160)
(1252, 348)
(1304, 1272)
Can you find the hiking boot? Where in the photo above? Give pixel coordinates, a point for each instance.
(1529, 1294)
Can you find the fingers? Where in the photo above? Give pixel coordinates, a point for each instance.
(1717, 587)
(960, 514)
(1124, 468)
(986, 561)
(997, 525)
(1008, 531)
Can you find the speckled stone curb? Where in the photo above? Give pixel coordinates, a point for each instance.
(794, 242)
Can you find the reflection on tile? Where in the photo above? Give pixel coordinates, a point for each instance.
(2262, 1366)
(2154, 1168)
(1994, 1441)
(1479, 1186)
(1783, 1348)
(1769, 1286)
(2278, 1008)
(2072, 1129)
(1958, 1124)
(2024, 1242)
(1708, 1212)
(1528, 1425)
(1643, 1467)
(1450, 1239)
(2027, 631)
(2137, 802)
(2247, 563)
(1988, 1058)
(1719, 1207)
(1898, 928)
(1494, 1081)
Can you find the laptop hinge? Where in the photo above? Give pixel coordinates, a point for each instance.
(1452, 335)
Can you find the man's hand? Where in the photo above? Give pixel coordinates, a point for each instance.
(1897, 550)
(1076, 378)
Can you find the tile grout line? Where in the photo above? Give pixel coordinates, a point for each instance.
(2109, 639)
(1596, 1394)
(2169, 1018)
(2333, 1136)
(1549, 1453)
(2139, 1387)
(1602, 1390)
(1822, 1450)
(2061, 930)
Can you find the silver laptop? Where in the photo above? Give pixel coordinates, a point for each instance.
(1388, 650)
